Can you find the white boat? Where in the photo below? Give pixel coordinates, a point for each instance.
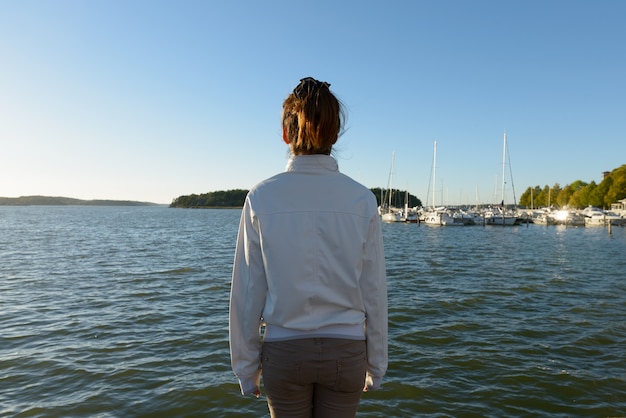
(392, 215)
(389, 213)
(410, 215)
(544, 218)
(619, 208)
(444, 217)
(440, 216)
(598, 217)
(472, 217)
(500, 217)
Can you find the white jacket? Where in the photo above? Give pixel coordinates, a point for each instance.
(309, 262)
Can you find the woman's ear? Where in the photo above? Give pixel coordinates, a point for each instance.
(285, 136)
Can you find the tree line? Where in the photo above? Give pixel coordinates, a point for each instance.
(579, 194)
(220, 199)
(397, 198)
(65, 201)
(236, 197)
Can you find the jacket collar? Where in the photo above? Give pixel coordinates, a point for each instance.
(312, 163)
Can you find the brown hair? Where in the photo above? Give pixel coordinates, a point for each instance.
(313, 118)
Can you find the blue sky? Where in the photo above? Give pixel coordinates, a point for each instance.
(150, 100)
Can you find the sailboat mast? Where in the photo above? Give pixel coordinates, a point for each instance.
(393, 157)
(434, 172)
(503, 167)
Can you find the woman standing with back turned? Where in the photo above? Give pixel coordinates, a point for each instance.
(309, 269)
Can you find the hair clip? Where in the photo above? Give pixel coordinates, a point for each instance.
(308, 85)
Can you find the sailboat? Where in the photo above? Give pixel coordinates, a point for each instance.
(409, 215)
(389, 213)
(498, 215)
(440, 215)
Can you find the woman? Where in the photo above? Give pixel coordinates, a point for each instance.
(308, 303)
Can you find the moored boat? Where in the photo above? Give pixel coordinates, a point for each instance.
(544, 218)
(568, 217)
(598, 217)
(498, 216)
(444, 217)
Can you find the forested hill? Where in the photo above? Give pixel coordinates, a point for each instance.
(235, 199)
(220, 199)
(65, 201)
(579, 194)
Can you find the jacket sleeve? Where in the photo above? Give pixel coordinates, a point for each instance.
(247, 300)
(374, 291)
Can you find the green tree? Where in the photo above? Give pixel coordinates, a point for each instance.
(597, 197)
(617, 190)
(541, 198)
(583, 196)
(574, 191)
(397, 199)
(564, 196)
(528, 197)
(228, 198)
(555, 193)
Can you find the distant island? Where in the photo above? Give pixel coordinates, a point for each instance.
(220, 199)
(65, 201)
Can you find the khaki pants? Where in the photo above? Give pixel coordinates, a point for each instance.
(314, 377)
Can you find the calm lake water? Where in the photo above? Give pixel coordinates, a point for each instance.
(122, 312)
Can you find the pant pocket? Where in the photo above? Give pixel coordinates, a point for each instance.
(351, 374)
(279, 366)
